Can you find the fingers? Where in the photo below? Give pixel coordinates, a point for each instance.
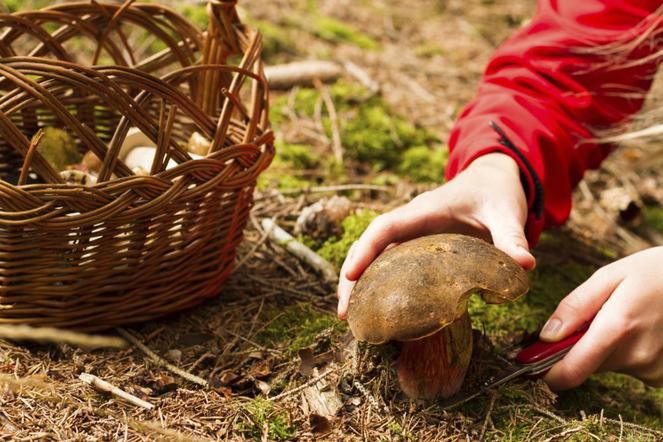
(401, 224)
(509, 236)
(345, 286)
(581, 304)
(587, 356)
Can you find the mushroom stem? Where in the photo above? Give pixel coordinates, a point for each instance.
(435, 366)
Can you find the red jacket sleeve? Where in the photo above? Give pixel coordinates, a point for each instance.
(571, 71)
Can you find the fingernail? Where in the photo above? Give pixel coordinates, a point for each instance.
(341, 311)
(525, 252)
(551, 330)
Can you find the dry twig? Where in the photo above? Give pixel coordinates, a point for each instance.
(487, 419)
(337, 188)
(160, 361)
(106, 387)
(336, 145)
(359, 74)
(548, 413)
(286, 240)
(633, 426)
(15, 383)
(59, 336)
(566, 433)
(308, 383)
(302, 73)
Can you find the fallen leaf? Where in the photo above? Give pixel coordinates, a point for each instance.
(319, 423)
(228, 378)
(307, 363)
(263, 386)
(163, 383)
(325, 403)
(260, 370)
(225, 392)
(143, 393)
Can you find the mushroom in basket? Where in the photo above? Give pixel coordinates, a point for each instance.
(137, 152)
(417, 293)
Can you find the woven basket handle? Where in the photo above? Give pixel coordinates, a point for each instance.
(221, 41)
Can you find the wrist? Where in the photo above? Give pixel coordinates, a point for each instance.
(504, 172)
(497, 161)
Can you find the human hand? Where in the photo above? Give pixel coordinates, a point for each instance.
(485, 200)
(627, 333)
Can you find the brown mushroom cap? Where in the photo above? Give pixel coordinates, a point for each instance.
(421, 286)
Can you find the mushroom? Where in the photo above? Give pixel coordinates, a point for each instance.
(75, 176)
(140, 158)
(198, 144)
(417, 293)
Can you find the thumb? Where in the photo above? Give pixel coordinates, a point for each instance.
(509, 236)
(581, 304)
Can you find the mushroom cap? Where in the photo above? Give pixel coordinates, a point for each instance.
(419, 287)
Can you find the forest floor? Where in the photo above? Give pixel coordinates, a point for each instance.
(277, 363)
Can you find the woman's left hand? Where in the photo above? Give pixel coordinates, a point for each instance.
(627, 333)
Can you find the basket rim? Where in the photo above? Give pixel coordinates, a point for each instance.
(238, 162)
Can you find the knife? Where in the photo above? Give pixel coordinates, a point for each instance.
(533, 361)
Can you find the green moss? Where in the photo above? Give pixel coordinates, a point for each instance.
(197, 13)
(335, 250)
(610, 392)
(303, 104)
(653, 217)
(428, 50)
(347, 94)
(271, 179)
(344, 94)
(297, 327)
(371, 132)
(334, 170)
(263, 414)
(282, 173)
(23, 5)
(276, 39)
(308, 242)
(155, 44)
(335, 31)
(59, 148)
(385, 179)
(377, 136)
(297, 155)
(397, 432)
(423, 164)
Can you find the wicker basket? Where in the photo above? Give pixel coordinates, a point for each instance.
(130, 247)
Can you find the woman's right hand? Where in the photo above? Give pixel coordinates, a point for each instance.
(485, 200)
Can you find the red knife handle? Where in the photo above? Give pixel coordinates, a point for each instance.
(540, 350)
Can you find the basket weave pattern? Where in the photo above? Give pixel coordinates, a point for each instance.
(130, 247)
